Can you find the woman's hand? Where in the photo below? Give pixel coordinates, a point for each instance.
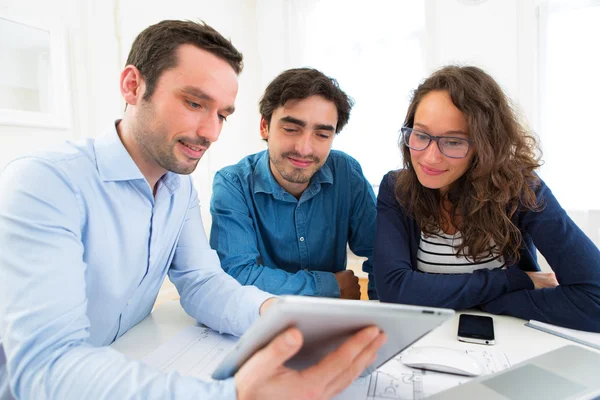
(542, 280)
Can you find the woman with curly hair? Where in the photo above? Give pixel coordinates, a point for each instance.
(458, 226)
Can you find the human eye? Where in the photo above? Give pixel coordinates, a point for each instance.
(455, 142)
(323, 135)
(290, 130)
(420, 135)
(222, 118)
(193, 105)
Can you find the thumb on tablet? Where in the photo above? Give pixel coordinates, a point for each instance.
(281, 349)
(267, 361)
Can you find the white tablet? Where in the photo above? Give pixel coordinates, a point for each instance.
(326, 323)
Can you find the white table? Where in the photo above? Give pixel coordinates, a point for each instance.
(512, 337)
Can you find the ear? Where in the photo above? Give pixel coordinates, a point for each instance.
(132, 85)
(264, 128)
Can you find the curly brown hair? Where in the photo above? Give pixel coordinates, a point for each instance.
(500, 179)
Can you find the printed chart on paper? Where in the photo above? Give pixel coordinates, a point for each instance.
(196, 351)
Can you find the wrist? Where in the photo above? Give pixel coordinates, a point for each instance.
(327, 284)
(518, 279)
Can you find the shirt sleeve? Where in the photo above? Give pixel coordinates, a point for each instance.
(575, 260)
(399, 281)
(43, 305)
(207, 293)
(362, 222)
(234, 237)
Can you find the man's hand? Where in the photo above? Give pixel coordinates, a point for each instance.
(263, 376)
(266, 304)
(542, 280)
(348, 283)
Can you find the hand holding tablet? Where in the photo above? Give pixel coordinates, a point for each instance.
(264, 376)
(325, 324)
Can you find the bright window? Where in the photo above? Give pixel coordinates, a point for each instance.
(570, 101)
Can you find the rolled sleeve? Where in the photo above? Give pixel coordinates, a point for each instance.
(327, 284)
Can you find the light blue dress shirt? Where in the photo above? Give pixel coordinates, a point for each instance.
(283, 245)
(84, 249)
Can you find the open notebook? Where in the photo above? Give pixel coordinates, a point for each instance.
(582, 337)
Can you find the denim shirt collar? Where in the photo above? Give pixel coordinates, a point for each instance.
(115, 164)
(265, 182)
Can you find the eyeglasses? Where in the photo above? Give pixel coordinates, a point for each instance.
(453, 147)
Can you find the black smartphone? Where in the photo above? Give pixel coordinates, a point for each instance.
(476, 329)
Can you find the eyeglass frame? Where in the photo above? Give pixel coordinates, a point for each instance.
(433, 139)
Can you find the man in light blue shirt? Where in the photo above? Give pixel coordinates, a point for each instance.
(283, 218)
(89, 231)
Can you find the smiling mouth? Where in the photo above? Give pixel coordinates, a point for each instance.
(189, 146)
(300, 163)
(431, 171)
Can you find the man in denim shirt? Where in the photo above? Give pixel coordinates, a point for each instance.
(282, 218)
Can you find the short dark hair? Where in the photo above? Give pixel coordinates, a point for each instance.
(300, 83)
(154, 49)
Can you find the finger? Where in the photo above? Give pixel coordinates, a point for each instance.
(360, 363)
(266, 361)
(357, 290)
(348, 273)
(329, 367)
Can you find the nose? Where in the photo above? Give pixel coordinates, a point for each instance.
(432, 155)
(209, 127)
(304, 144)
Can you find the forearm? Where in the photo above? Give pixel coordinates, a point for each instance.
(207, 293)
(85, 372)
(459, 291)
(573, 258)
(237, 309)
(576, 306)
(280, 282)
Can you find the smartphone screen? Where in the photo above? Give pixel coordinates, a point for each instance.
(476, 329)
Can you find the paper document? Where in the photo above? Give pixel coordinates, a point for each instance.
(394, 380)
(587, 338)
(197, 351)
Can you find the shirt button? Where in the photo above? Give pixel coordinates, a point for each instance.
(302, 238)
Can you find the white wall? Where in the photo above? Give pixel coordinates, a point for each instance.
(99, 37)
(19, 140)
(499, 36)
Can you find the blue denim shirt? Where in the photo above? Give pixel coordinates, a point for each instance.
(84, 248)
(266, 237)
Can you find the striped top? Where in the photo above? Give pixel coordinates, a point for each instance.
(437, 254)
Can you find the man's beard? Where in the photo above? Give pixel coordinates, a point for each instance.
(297, 175)
(154, 143)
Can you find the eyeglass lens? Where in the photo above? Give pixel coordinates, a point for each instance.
(449, 146)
